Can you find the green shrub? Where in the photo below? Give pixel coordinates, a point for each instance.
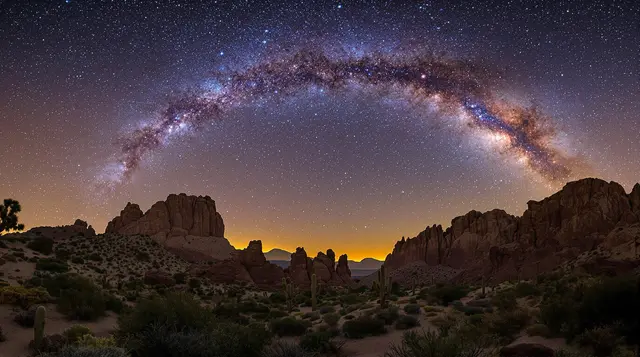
(95, 342)
(289, 326)
(363, 326)
(526, 289)
(52, 265)
(447, 293)
(42, 245)
(79, 297)
(406, 322)
(505, 300)
(75, 332)
(275, 313)
(75, 351)
(320, 342)
(331, 319)
(23, 296)
(326, 309)
(508, 324)
(312, 316)
(286, 349)
(602, 340)
(460, 341)
(388, 315)
(413, 309)
(539, 330)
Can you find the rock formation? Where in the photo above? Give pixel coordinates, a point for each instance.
(583, 216)
(248, 265)
(301, 268)
(190, 226)
(78, 228)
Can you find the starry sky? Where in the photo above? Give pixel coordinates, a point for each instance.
(408, 113)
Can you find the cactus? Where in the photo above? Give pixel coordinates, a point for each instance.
(383, 285)
(288, 293)
(314, 291)
(38, 327)
(484, 286)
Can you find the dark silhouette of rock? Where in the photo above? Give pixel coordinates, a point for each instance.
(583, 216)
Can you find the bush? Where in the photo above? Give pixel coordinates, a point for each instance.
(82, 300)
(42, 245)
(448, 293)
(461, 341)
(331, 319)
(75, 332)
(320, 342)
(77, 260)
(406, 322)
(2, 336)
(505, 300)
(539, 330)
(388, 315)
(507, 324)
(526, 289)
(52, 265)
(413, 309)
(221, 339)
(180, 278)
(275, 314)
(363, 326)
(286, 349)
(195, 283)
(313, 315)
(24, 297)
(603, 340)
(326, 309)
(177, 325)
(26, 318)
(289, 326)
(95, 342)
(74, 351)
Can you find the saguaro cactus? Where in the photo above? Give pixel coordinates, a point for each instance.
(38, 327)
(383, 284)
(314, 292)
(288, 293)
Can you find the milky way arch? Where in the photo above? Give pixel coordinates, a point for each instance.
(457, 88)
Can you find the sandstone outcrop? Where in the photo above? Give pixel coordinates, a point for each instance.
(585, 214)
(248, 265)
(188, 225)
(78, 228)
(301, 268)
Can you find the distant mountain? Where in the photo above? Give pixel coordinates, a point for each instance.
(277, 254)
(281, 257)
(366, 264)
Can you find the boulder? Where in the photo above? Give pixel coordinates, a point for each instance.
(300, 267)
(342, 270)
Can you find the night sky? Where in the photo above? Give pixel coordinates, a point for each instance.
(341, 125)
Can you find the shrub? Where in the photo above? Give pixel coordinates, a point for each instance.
(326, 309)
(448, 293)
(331, 319)
(77, 260)
(220, 339)
(2, 336)
(388, 315)
(289, 326)
(320, 342)
(461, 341)
(313, 315)
(95, 342)
(75, 332)
(406, 322)
(52, 265)
(22, 296)
(538, 330)
(275, 313)
(507, 324)
(26, 318)
(526, 289)
(74, 351)
(413, 309)
(603, 340)
(82, 300)
(363, 326)
(286, 349)
(42, 245)
(195, 283)
(180, 278)
(505, 300)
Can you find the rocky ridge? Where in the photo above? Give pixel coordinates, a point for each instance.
(584, 215)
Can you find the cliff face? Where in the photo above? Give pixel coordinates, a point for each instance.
(178, 215)
(301, 267)
(189, 226)
(585, 214)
